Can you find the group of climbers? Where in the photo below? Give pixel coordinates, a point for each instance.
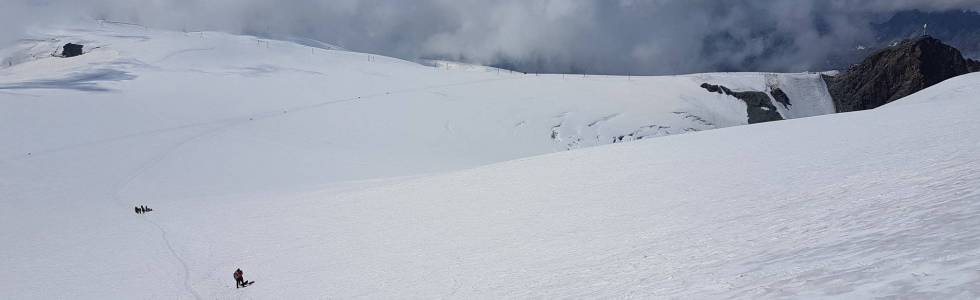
(142, 210)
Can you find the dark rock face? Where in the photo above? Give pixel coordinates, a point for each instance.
(780, 97)
(758, 104)
(957, 28)
(71, 50)
(895, 72)
(973, 65)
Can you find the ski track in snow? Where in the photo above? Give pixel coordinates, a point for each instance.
(231, 123)
(183, 264)
(242, 119)
(163, 233)
(179, 52)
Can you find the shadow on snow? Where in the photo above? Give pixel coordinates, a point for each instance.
(82, 81)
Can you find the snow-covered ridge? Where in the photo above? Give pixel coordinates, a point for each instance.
(135, 80)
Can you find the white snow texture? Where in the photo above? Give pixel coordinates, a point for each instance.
(329, 174)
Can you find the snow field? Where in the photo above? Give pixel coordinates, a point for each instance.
(333, 174)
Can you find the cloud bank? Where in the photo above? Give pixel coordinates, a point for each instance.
(578, 36)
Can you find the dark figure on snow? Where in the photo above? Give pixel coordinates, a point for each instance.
(239, 278)
(138, 210)
(72, 50)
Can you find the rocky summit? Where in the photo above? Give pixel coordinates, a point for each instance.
(896, 72)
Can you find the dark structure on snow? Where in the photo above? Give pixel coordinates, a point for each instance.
(71, 50)
(759, 105)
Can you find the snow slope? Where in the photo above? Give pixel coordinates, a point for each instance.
(282, 160)
(318, 109)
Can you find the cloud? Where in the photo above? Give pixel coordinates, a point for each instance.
(589, 36)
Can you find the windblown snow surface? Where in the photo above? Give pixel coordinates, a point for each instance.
(331, 174)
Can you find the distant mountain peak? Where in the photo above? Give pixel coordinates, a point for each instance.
(897, 71)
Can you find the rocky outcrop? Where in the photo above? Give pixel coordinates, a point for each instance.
(780, 97)
(896, 72)
(71, 50)
(956, 27)
(973, 65)
(758, 104)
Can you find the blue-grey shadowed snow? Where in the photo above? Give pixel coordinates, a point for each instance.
(141, 38)
(262, 70)
(18, 94)
(87, 81)
(308, 42)
(180, 52)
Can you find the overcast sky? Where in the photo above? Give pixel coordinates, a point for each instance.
(593, 36)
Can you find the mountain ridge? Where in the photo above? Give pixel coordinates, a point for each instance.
(896, 72)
